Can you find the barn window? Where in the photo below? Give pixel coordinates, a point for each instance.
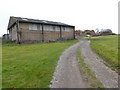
(66, 29)
(33, 27)
(63, 28)
(57, 28)
(54, 28)
(38, 26)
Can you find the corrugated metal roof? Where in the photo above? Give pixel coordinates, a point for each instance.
(13, 20)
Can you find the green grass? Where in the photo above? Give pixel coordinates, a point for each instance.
(31, 65)
(88, 74)
(8, 43)
(107, 48)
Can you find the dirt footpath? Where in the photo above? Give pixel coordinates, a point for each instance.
(68, 75)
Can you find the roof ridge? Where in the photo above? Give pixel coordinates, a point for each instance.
(37, 19)
(13, 19)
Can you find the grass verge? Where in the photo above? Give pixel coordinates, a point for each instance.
(31, 65)
(89, 75)
(107, 48)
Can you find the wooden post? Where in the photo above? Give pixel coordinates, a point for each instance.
(60, 31)
(42, 32)
(74, 32)
(10, 32)
(18, 38)
(7, 34)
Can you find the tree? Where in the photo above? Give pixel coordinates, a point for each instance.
(106, 32)
(97, 30)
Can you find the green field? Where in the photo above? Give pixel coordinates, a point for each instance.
(107, 48)
(31, 65)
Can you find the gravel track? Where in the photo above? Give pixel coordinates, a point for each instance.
(68, 75)
(108, 77)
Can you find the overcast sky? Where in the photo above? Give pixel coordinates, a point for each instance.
(83, 14)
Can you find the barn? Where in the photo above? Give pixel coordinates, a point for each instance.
(25, 30)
